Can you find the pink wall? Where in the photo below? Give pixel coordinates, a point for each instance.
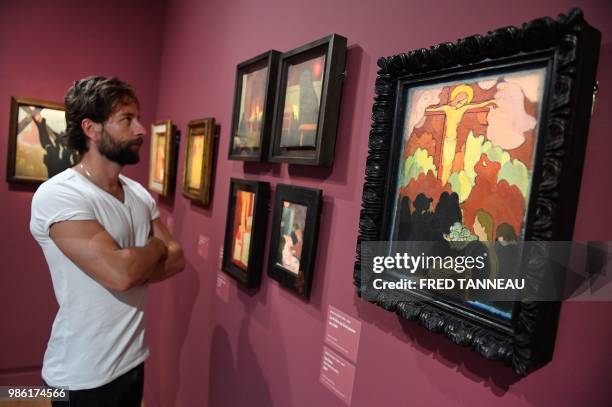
(264, 348)
(44, 47)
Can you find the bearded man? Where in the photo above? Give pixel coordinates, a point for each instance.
(104, 243)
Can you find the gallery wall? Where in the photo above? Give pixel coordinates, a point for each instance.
(264, 347)
(44, 47)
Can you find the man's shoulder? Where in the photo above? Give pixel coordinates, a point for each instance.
(66, 182)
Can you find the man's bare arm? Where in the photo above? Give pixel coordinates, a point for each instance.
(175, 262)
(88, 245)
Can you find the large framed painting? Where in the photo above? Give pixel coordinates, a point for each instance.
(36, 150)
(308, 102)
(162, 162)
(245, 231)
(476, 151)
(253, 107)
(295, 231)
(197, 177)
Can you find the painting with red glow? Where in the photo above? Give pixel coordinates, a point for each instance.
(252, 98)
(243, 224)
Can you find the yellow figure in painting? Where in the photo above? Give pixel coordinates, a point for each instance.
(460, 99)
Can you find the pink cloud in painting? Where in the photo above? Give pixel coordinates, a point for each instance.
(420, 100)
(509, 121)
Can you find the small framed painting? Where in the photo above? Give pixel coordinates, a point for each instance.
(245, 230)
(36, 149)
(199, 160)
(253, 107)
(162, 167)
(308, 102)
(295, 229)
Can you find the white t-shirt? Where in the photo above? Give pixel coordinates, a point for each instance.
(98, 333)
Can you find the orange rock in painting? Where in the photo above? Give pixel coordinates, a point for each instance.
(504, 202)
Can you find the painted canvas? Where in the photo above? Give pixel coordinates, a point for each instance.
(252, 99)
(162, 166)
(196, 160)
(197, 177)
(467, 162)
(292, 225)
(160, 157)
(243, 225)
(37, 151)
(302, 103)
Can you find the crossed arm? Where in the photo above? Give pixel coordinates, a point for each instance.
(88, 245)
(175, 260)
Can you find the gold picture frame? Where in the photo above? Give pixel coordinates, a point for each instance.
(36, 148)
(197, 175)
(162, 169)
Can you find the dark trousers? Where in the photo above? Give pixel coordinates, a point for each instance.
(124, 391)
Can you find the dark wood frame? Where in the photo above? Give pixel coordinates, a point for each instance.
(334, 48)
(207, 126)
(268, 59)
(312, 199)
(252, 276)
(170, 162)
(12, 139)
(569, 47)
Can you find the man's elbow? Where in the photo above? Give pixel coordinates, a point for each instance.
(123, 284)
(179, 263)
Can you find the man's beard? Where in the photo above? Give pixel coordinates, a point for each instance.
(122, 153)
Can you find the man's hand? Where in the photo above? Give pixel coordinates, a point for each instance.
(174, 261)
(160, 246)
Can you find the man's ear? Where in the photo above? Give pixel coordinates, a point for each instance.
(91, 129)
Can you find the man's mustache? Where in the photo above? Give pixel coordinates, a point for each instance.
(137, 142)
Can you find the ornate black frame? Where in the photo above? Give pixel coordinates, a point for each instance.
(334, 49)
(571, 48)
(252, 276)
(270, 60)
(312, 199)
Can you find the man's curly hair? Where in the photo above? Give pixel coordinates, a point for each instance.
(94, 98)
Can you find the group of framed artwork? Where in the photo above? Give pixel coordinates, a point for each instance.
(285, 110)
(286, 105)
(37, 150)
(197, 174)
(295, 226)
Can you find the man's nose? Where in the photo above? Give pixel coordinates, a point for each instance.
(140, 129)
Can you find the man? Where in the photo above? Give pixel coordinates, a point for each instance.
(104, 243)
